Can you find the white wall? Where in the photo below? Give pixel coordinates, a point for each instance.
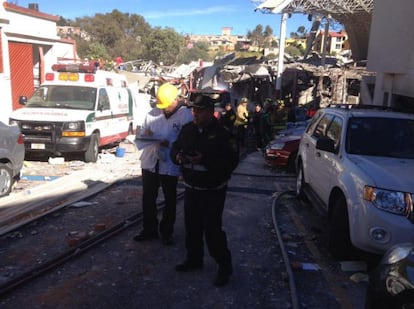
(390, 49)
(31, 30)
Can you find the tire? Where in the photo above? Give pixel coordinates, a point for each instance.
(339, 240)
(91, 155)
(6, 180)
(292, 162)
(300, 183)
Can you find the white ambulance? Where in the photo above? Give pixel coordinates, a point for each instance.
(78, 109)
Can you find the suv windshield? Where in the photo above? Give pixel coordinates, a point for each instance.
(64, 97)
(386, 137)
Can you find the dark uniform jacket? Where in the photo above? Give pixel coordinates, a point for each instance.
(219, 155)
(227, 119)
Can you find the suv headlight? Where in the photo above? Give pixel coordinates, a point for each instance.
(399, 203)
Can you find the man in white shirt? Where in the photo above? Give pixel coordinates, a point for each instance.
(161, 126)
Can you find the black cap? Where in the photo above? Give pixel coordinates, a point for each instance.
(202, 102)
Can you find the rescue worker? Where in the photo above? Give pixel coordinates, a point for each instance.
(241, 122)
(227, 118)
(257, 126)
(208, 155)
(162, 124)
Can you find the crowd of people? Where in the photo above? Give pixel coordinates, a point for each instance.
(261, 123)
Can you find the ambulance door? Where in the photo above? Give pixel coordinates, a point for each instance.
(104, 115)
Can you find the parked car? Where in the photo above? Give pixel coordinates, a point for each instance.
(356, 164)
(283, 149)
(11, 156)
(293, 128)
(391, 283)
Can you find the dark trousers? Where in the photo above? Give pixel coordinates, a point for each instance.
(241, 135)
(203, 210)
(151, 183)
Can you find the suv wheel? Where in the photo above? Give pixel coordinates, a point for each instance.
(292, 161)
(6, 180)
(300, 183)
(339, 241)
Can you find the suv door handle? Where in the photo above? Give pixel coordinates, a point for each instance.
(318, 154)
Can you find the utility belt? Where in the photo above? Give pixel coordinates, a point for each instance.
(220, 186)
(195, 167)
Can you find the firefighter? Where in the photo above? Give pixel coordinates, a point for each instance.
(241, 122)
(208, 155)
(162, 125)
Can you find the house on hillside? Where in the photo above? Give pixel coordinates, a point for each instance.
(336, 42)
(29, 46)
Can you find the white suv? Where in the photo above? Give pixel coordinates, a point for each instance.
(356, 163)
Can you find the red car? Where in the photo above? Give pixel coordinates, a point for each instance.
(282, 151)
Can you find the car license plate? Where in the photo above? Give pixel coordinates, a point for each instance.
(38, 146)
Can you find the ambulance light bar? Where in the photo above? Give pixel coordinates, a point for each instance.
(74, 67)
(72, 77)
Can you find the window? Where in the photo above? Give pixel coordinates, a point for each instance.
(386, 137)
(103, 103)
(334, 131)
(322, 126)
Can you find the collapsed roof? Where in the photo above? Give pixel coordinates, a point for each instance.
(355, 15)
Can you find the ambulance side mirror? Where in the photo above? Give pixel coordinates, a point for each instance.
(22, 100)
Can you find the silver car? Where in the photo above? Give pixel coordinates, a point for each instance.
(11, 156)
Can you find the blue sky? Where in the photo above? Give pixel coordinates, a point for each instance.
(185, 16)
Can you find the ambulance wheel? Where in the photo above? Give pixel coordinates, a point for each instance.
(91, 155)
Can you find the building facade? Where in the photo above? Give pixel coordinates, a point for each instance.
(29, 46)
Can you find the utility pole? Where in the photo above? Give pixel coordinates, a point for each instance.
(281, 55)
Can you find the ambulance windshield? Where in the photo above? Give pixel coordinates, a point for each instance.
(72, 97)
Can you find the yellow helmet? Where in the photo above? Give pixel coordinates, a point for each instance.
(166, 94)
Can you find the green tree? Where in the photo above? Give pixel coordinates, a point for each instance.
(199, 50)
(63, 22)
(261, 37)
(294, 50)
(164, 45)
(299, 34)
(96, 50)
(120, 33)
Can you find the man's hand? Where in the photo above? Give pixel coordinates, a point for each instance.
(148, 132)
(194, 158)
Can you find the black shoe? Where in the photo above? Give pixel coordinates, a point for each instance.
(145, 236)
(188, 266)
(221, 279)
(167, 240)
(223, 275)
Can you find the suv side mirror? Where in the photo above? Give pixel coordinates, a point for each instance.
(326, 144)
(22, 100)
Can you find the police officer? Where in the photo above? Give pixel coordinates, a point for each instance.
(208, 155)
